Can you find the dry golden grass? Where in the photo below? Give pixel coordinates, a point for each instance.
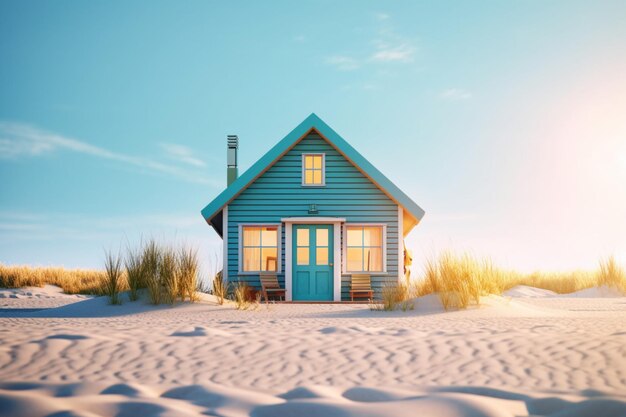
(394, 296)
(612, 275)
(114, 279)
(460, 280)
(240, 295)
(167, 273)
(72, 281)
(134, 273)
(168, 276)
(219, 288)
(187, 274)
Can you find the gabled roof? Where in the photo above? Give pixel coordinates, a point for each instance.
(411, 209)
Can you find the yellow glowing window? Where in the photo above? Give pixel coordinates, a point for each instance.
(364, 249)
(259, 248)
(313, 169)
(302, 242)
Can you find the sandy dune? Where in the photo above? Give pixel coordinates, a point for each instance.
(530, 353)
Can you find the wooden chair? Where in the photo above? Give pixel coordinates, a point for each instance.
(271, 287)
(361, 286)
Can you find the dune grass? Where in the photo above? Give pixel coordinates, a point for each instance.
(72, 281)
(151, 260)
(460, 280)
(240, 295)
(187, 273)
(393, 297)
(219, 289)
(168, 279)
(167, 273)
(134, 273)
(112, 283)
(611, 274)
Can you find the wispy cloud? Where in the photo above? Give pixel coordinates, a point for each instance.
(182, 154)
(299, 38)
(455, 94)
(388, 46)
(73, 226)
(393, 52)
(343, 63)
(17, 139)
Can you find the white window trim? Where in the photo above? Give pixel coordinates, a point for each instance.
(344, 266)
(323, 184)
(279, 249)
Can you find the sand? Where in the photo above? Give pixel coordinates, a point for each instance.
(527, 353)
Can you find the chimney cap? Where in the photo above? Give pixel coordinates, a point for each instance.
(233, 141)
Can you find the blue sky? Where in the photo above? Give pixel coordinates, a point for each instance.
(503, 120)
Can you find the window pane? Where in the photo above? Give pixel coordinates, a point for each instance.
(308, 161)
(269, 260)
(355, 236)
(308, 176)
(251, 259)
(269, 236)
(373, 259)
(303, 256)
(321, 237)
(321, 256)
(373, 236)
(355, 259)
(317, 176)
(302, 237)
(317, 162)
(251, 236)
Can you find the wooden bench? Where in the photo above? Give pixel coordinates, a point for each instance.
(271, 287)
(361, 286)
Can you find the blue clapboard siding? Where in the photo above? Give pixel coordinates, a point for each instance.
(278, 193)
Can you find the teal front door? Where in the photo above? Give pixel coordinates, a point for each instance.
(312, 262)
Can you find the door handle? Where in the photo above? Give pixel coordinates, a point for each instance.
(331, 264)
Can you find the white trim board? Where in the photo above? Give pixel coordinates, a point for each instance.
(225, 242)
(313, 220)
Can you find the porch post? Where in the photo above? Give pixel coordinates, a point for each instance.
(337, 261)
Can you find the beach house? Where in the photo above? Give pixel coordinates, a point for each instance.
(312, 214)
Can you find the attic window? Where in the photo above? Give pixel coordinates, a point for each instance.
(313, 167)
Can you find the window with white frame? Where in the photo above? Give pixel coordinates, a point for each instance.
(313, 167)
(365, 248)
(260, 247)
